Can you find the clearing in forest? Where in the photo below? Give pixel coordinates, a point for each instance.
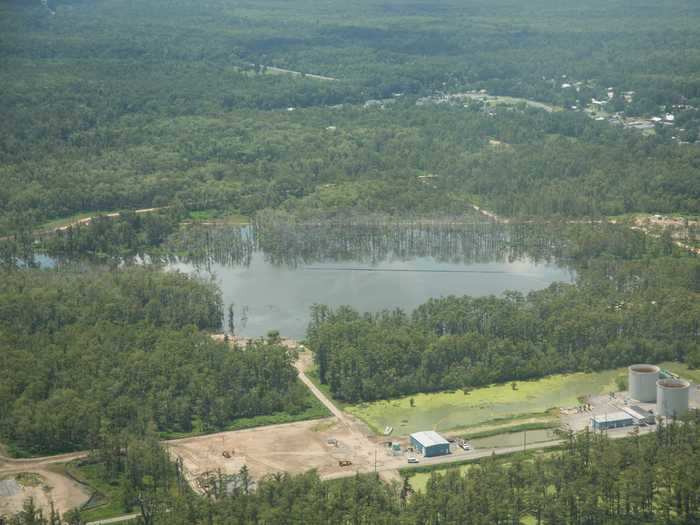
(454, 410)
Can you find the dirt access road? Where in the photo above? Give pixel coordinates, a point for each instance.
(86, 220)
(293, 447)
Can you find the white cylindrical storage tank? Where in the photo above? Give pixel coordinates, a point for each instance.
(672, 397)
(642, 382)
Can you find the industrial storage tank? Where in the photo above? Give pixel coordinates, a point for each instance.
(672, 397)
(642, 382)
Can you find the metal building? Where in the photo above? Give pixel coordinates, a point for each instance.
(430, 443)
(672, 397)
(642, 382)
(612, 420)
(641, 415)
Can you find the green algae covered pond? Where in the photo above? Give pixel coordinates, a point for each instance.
(443, 411)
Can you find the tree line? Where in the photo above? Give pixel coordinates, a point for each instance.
(404, 160)
(89, 352)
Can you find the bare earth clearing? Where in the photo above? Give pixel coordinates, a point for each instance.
(293, 447)
(45, 487)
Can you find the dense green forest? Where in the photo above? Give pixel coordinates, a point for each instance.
(649, 479)
(631, 303)
(561, 164)
(317, 111)
(90, 353)
(121, 105)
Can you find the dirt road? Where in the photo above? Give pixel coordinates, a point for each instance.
(85, 221)
(280, 70)
(11, 464)
(118, 519)
(302, 364)
(291, 447)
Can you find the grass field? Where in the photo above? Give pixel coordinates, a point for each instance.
(548, 423)
(418, 478)
(445, 411)
(682, 370)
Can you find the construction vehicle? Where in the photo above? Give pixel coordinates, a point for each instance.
(344, 463)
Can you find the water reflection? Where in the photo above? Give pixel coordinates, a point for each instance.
(371, 243)
(273, 273)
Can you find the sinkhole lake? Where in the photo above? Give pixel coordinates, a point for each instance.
(273, 280)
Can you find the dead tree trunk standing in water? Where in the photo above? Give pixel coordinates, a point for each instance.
(231, 320)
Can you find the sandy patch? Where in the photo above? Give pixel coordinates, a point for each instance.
(45, 487)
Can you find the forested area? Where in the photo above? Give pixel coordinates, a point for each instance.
(402, 160)
(216, 107)
(94, 353)
(650, 479)
(87, 126)
(631, 303)
(114, 238)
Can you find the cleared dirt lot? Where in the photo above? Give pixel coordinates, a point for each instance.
(44, 486)
(293, 448)
(36, 479)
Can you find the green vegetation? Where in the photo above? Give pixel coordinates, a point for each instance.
(28, 479)
(512, 429)
(65, 221)
(86, 123)
(111, 239)
(419, 480)
(315, 410)
(218, 217)
(90, 353)
(105, 501)
(421, 476)
(631, 303)
(521, 439)
(444, 411)
(124, 105)
(649, 479)
(313, 376)
(683, 370)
